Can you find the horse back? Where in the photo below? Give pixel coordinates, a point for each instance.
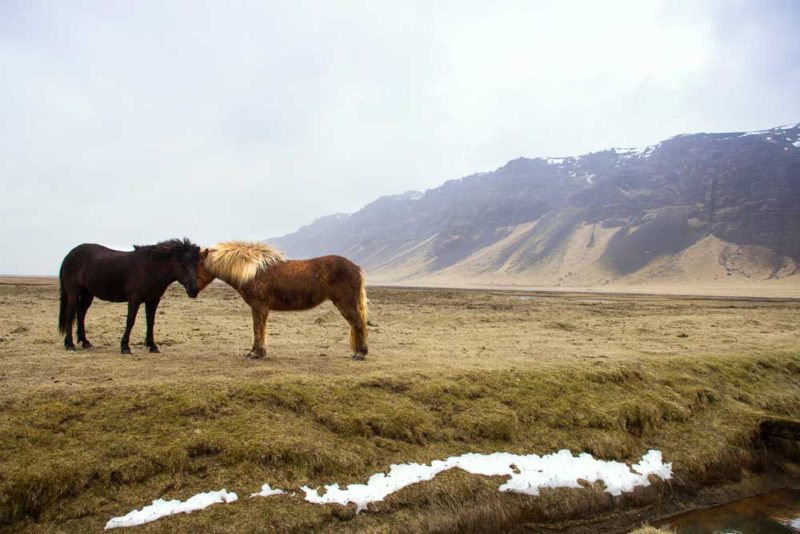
(304, 284)
(104, 272)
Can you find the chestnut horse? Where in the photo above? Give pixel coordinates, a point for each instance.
(141, 275)
(268, 282)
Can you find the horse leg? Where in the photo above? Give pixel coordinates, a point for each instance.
(133, 309)
(150, 309)
(260, 314)
(84, 301)
(358, 327)
(69, 319)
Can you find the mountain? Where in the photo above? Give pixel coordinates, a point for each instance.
(696, 207)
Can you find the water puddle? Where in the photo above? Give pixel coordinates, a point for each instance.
(776, 512)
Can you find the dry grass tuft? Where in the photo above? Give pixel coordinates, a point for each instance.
(651, 530)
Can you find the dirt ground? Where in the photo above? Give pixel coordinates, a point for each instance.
(412, 330)
(448, 371)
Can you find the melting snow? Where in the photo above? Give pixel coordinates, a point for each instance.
(772, 130)
(795, 143)
(161, 508)
(644, 151)
(527, 475)
(266, 491)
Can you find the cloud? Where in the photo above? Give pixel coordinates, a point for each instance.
(135, 122)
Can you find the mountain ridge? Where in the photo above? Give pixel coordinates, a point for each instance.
(605, 217)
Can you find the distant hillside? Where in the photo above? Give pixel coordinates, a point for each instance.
(697, 207)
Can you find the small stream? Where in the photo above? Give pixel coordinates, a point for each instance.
(777, 512)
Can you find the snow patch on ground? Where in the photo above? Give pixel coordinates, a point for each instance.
(527, 474)
(772, 130)
(161, 508)
(635, 152)
(756, 132)
(266, 491)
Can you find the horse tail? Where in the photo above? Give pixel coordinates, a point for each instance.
(362, 312)
(62, 311)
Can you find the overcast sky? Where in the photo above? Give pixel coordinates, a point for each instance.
(133, 122)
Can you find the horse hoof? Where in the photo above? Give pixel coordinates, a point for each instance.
(155, 350)
(126, 350)
(359, 357)
(70, 348)
(86, 345)
(255, 355)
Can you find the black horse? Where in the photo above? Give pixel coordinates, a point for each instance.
(142, 275)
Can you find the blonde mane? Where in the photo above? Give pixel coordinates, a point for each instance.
(238, 262)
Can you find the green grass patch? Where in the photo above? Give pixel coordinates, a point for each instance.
(72, 460)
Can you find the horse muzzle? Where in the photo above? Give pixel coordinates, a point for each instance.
(192, 292)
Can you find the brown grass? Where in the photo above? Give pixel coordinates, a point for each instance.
(91, 435)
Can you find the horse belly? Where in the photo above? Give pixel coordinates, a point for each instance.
(109, 295)
(294, 300)
(105, 285)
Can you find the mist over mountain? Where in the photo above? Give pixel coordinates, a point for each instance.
(697, 207)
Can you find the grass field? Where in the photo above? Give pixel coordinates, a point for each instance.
(90, 435)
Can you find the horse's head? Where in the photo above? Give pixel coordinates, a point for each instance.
(185, 257)
(179, 255)
(185, 260)
(204, 276)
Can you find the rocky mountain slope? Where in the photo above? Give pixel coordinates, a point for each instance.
(697, 207)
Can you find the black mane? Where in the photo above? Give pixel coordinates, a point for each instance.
(177, 248)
